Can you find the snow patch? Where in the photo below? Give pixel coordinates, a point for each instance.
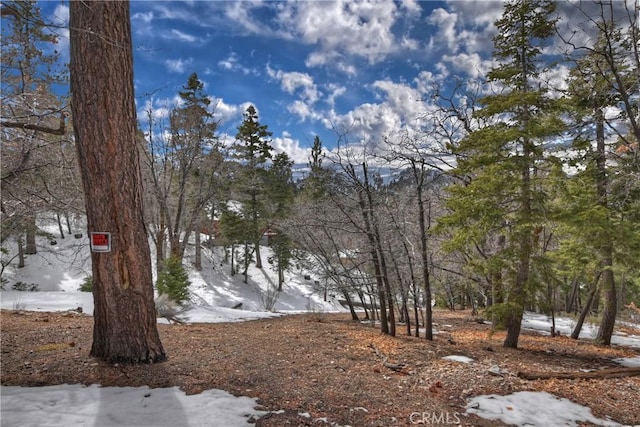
(458, 358)
(533, 409)
(65, 405)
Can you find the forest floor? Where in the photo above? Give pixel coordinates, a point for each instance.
(325, 366)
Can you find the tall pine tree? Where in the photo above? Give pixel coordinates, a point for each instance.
(501, 195)
(253, 149)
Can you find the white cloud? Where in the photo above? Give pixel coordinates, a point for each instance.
(411, 6)
(180, 36)
(296, 82)
(177, 65)
(300, 109)
(232, 63)
(335, 90)
(145, 17)
(446, 35)
(470, 64)
(240, 13)
(286, 144)
(361, 29)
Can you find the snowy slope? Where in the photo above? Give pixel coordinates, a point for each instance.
(59, 269)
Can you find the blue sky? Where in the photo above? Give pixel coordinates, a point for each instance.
(309, 67)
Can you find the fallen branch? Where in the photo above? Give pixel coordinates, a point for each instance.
(602, 373)
(393, 366)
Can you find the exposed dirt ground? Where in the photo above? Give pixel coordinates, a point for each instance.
(324, 365)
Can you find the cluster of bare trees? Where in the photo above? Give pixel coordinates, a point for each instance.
(39, 169)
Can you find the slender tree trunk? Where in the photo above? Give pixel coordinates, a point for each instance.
(573, 298)
(387, 286)
(416, 309)
(606, 248)
(575, 334)
(424, 255)
(233, 253)
(281, 278)
(354, 315)
(103, 106)
(59, 220)
(254, 203)
(31, 247)
(247, 260)
(365, 211)
(66, 217)
(198, 249)
(364, 305)
(517, 296)
(20, 252)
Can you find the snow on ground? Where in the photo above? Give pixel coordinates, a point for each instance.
(59, 270)
(68, 405)
(542, 324)
(528, 408)
(458, 358)
(628, 362)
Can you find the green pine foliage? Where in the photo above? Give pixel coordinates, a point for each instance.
(173, 281)
(498, 207)
(87, 284)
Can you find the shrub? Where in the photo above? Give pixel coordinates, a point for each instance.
(22, 286)
(87, 284)
(173, 280)
(504, 313)
(169, 309)
(269, 297)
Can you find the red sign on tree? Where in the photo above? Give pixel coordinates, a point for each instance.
(100, 241)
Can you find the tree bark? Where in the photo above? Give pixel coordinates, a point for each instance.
(606, 248)
(101, 65)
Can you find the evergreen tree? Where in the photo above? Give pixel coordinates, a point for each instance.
(253, 149)
(610, 233)
(280, 193)
(502, 192)
(192, 141)
(173, 280)
(315, 184)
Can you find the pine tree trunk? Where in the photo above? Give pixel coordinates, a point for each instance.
(103, 106)
(608, 283)
(281, 277)
(573, 297)
(575, 334)
(605, 332)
